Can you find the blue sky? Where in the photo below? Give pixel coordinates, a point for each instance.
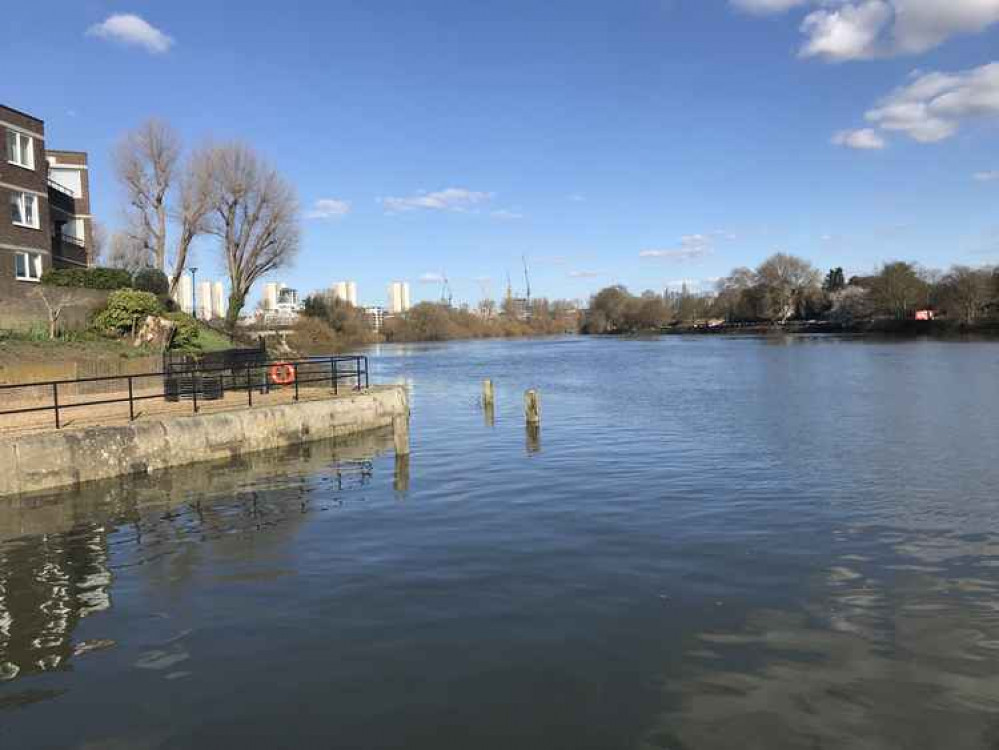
(610, 141)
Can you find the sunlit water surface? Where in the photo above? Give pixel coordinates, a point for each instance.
(711, 543)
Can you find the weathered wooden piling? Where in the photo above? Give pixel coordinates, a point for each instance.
(488, 394)
(532, 407)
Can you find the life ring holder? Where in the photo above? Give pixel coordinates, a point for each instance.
(282, 373)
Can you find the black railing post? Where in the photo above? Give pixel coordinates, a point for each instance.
(332, 373)
(131, 401)
(249, 386)
(367, 378)
(294, 372)
(357, 373)
(55, 403)
(336, 379)
(194, 390)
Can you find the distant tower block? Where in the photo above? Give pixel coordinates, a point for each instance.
(204, 300)
(271, 296)
(346, 291)
(398, 297)
(219, 306)
(183, 295)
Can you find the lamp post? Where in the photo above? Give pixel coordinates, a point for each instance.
(194, 291)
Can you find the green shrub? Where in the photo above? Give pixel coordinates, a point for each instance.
(125, 309)
(88, 278)
(151, 280)
(187, 333)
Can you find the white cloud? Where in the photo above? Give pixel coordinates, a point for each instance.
(504, 213)
(932, 106)
(577, 197)
(990, 176)
(449, 199)
(839, 30)
(431, 278)
(128, 28)
(583, 274)
(767, 6)
(866, 139)
(328, 208)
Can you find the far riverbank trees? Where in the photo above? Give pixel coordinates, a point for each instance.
(785, 288)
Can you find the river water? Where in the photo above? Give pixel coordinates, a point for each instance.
(710, 543)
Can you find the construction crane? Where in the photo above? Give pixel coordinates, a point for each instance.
(527, 281)
(446, 297)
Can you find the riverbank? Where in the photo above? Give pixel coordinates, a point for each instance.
(882, 328)
(68, 458)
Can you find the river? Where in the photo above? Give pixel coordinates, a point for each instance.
(710, 543)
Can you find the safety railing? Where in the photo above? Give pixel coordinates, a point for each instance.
(196, 384)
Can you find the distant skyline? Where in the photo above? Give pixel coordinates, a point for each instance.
(641, 142)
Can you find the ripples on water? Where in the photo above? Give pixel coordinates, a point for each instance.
(710, 543)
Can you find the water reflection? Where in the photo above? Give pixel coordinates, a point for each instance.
(533, 433)
(889, 656)
(56, 552)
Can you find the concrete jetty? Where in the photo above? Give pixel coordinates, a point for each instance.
(68, 458)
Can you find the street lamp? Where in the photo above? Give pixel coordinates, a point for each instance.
(194, 291)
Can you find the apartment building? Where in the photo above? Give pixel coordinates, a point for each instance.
(47, 222)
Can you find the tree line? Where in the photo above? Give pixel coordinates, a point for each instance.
(328, 323)
(786, 288)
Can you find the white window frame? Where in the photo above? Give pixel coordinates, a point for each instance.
(32, 264)
(24, 145)
(21, 198)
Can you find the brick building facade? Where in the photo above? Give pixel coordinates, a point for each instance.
(45, 217)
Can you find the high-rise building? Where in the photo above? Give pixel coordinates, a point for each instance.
(184, 294)
(271, 290)
(375, 317)
(398, 297)
(204, 311)
(219, 302)
(346, 291)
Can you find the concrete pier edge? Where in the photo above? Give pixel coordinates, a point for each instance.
(69, 458)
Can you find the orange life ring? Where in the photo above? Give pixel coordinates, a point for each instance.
(283, 373)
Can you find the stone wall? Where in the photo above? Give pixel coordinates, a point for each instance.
(68, 458)
(22, 309)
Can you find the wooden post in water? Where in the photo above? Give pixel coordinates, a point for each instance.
(532, 407)
(488, 394)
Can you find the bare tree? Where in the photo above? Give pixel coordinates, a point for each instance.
(56, 299)
(98, 243)
(898, 289)
(254, 212)
(148, 165)
(788, 283)
(127, 252)
(967, 291)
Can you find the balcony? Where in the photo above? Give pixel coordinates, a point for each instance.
(68, 251)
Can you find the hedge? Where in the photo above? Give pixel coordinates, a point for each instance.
(88, 278)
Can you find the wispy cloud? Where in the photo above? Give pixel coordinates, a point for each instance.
(507, 214)
(449, 199)
(866, 139)
(692, 246)
(990, 176)
(576, 197)
(584, 274)
(328, 208)
(130, 29)
(431, 278)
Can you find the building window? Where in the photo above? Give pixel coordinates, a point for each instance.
(24, 210)
(28, 266)
(20, 149)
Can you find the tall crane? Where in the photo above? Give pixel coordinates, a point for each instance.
(527, 281)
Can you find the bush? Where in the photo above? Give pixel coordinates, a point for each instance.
(151, 280)
(88, 278)
(125, 309)
(187, 334)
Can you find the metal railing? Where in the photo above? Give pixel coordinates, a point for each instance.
(201, 384)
